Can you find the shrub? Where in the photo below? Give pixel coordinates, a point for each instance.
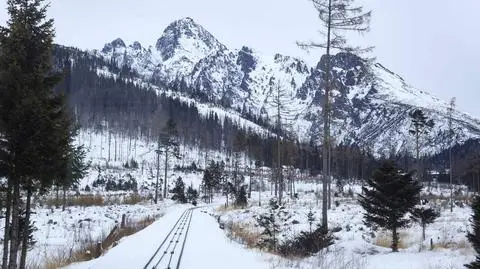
(306, 243)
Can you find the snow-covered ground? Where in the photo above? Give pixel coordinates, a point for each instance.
(208, 246)
(357, 246)
(61, 232)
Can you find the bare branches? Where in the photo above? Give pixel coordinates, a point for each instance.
(279, 101)
(340, 16)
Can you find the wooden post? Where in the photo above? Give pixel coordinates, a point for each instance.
(98, 250)
(124, 217)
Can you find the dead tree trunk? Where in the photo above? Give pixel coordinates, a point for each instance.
(109, 143)
(326, 128)
(165, 181)
(279, 173)
(158, 175)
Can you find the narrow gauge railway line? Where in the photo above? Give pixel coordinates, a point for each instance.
(169, 253)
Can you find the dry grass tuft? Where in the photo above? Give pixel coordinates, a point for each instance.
(384, 239)
(224, 209)
(133, 199)
(87, 200)
(445, 244)
(245, 234)
(77, 200)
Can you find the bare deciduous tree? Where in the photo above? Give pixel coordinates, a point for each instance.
(337, 17)
(450, 141)
(280, 100)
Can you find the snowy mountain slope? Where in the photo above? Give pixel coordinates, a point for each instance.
(370, 102)
(204, 109)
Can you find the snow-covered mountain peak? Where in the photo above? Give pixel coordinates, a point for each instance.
(342, 60)
(185, 35)
(114, 45)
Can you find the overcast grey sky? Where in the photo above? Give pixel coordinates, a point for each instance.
(433, 44)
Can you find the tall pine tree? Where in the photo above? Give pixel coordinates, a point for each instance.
(170, 146)
(33, 120)
(421, 125)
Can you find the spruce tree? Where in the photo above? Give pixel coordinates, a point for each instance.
(213, 177)
(33, 119)
(179, 191)
(474, 235)
(192, 195)
(73, 170)
(207, 182)
(241, 197)
(389, 196)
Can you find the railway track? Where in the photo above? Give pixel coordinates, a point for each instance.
(168, 254)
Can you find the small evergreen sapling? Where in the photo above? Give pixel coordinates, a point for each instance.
(271, 228)
(271, 224)
(310, 218)
(424, 215)
(474, 235)
(307, 243)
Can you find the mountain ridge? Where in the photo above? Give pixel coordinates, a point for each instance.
(371, 102)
